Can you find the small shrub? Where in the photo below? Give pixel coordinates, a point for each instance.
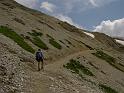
(3, 71)
(35, 33)
(78, 68)
(19, 21)
(49, 36)
(38, 28)
(46, 23)
(22, 35)
(87, 45)
(104, 56)
(61, 41)
(55, 44)
(103, 72)
(67, 46)
(68, 41)
(107, 89)
(93, 66)
(8, 5)
(27, 37)
(68, 27)
(109, 59)
(38, 42)
(121, 64)
(17, 38)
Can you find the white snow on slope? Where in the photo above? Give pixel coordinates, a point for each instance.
(89, 34)
(120, 41)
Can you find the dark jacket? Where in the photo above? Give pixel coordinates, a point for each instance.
(39, 56)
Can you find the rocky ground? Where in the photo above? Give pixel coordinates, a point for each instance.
(75, 62)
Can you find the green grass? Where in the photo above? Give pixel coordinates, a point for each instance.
(107, 89)
(49, 36)
(109, 59)
(35, 33)
(61, 42)
(104, 56)
(55, 44)
(38, 42)
(17, 38)
(78, 68)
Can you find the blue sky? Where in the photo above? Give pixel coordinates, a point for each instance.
(93, 17)
(97, 15)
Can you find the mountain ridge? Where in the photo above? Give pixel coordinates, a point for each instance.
(76, 61)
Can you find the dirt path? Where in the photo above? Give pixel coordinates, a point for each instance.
(52, 79)
(59, 64)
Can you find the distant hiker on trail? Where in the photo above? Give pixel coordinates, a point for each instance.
(39, 58)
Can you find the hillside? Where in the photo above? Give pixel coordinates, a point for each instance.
(76, 61)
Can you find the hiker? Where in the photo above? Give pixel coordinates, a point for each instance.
(39, 58)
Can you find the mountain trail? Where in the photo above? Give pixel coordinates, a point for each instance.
(53, 79)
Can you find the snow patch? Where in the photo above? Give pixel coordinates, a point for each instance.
(120, 41)
(89, 34)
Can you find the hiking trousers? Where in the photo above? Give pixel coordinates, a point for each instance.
(40, 65)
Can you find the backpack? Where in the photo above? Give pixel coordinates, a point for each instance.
(39, 55)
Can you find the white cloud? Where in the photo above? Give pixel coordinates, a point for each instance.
(99, 3)
(67, 19)
(112, 28)
(28, 3)
(62, 8)
(93, 3)
(65, 7)
(82, 5)
(52, 9)
(48, 6)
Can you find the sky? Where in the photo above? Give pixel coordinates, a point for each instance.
(106, 16)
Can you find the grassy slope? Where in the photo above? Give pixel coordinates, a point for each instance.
(17, 38)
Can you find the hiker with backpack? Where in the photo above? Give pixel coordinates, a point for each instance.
(39, 58)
